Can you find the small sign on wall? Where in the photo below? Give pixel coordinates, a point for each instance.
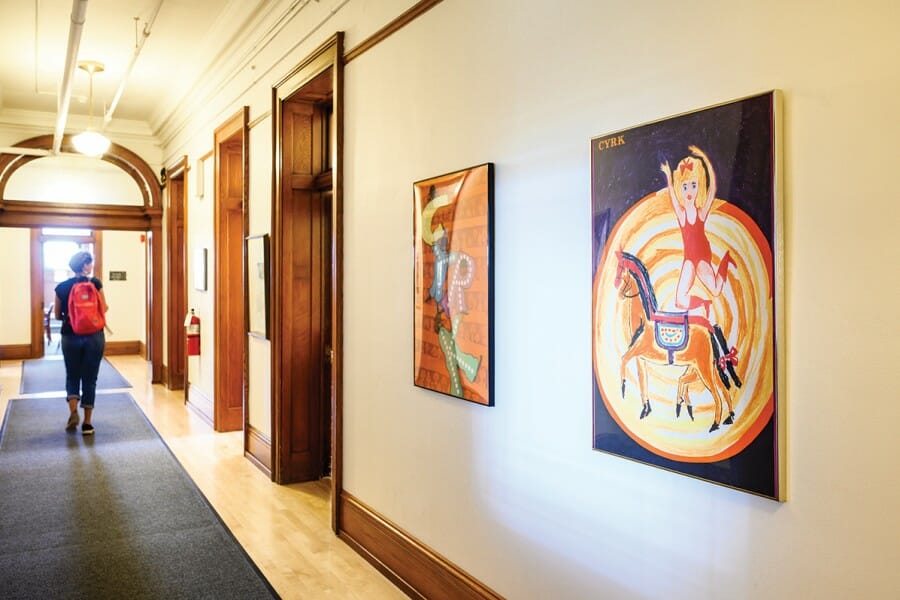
(200, 269)
(117, 275)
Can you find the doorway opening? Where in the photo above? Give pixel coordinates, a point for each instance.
(176, 227)
(230, 215)
(306, 272)
(58, 245)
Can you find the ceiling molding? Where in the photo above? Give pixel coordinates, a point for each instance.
(230, 68)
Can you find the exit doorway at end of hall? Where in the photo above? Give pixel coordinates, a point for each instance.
(58, 245)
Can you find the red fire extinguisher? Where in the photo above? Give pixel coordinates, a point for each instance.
(192, 331)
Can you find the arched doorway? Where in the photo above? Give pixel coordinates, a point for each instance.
(50, 212)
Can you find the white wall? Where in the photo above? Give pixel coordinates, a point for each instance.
(73, 179)
(514, 494)
(15, 324)
(127, 300)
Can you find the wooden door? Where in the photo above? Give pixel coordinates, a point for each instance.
(230, 230)
(305, 298)
(176, 226)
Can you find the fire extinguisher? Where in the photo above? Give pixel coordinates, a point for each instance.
(192, 331)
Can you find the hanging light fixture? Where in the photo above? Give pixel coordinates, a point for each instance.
(91, 142)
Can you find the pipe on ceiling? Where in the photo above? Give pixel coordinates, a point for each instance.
(137, 50)
(79, 9)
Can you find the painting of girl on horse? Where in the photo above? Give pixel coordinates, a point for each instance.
(686, 295)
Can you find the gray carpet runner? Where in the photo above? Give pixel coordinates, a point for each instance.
(112, 515)
(49, 375)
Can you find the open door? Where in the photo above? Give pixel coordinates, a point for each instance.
(306, 270)
(176, 228)
(230, 215)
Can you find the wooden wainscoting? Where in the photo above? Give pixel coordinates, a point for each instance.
(123, 347)
(200, 403)
(15, 352)
(258, 449)
(416, 569)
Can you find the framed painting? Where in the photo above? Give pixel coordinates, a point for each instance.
(453, 275)
(200, 269)
(687, 294)
(258, 286)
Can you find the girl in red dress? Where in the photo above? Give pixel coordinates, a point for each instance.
(692, 199)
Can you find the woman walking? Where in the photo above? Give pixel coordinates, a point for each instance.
(82, 353)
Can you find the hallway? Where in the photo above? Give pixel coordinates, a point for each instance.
(285, 529)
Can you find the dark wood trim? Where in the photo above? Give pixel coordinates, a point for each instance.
(155, 301)
(16, 352)
(337, 291)
(123, 347)
(385, 32)
(258, 449)
(165, 373)
(414, 567)
(176, 262)
(37, 294)
(328, 55)
(22, 213)
(227, 310)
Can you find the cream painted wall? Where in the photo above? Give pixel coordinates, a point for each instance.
(127, 300)
(15, 325)
(73, 179)
(259, 393)
(514, 494)
(200, 236)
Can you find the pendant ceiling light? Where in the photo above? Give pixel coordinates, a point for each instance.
(91, 142)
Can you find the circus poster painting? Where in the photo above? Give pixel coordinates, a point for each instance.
(687, 295)
(453, 274)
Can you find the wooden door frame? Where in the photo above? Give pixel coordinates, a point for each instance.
(146, 218)
(328, 55)
(236, 125)
(176, 305)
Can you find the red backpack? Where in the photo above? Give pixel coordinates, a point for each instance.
(85, 308)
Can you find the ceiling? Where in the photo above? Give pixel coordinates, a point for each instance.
(184, 39)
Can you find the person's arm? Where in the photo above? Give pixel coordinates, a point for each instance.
(103, 301)
(711, 190)
(57, 308)
(676, 206)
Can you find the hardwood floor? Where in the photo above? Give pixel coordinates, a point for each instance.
(285, 529)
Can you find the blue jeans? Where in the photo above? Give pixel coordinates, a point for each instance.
(82, 355)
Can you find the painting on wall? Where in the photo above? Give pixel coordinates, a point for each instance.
(258, 286)
(200, 269)
(686, 310)
(453, 296)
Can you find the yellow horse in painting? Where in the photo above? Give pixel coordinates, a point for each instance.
(669, 339)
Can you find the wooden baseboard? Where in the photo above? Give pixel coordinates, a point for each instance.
(414, 567)
(200, 404)
(123, 347)
(15, 352)
(258, 449)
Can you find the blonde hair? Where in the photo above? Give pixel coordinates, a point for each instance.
(689, 168)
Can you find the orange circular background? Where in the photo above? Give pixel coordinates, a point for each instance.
(743, 309)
